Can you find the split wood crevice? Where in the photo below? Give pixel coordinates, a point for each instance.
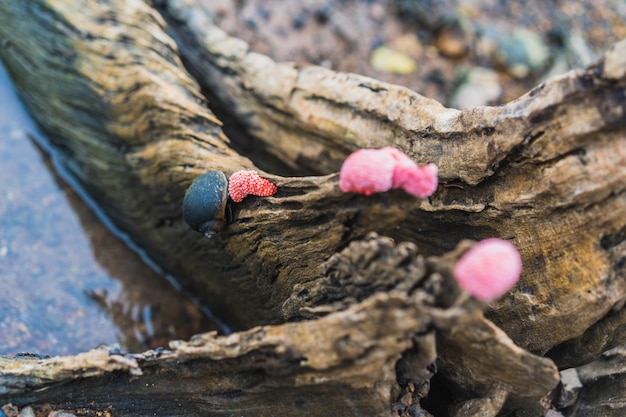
(339, 306)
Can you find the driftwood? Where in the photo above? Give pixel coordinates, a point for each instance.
(266, 371)
(535, 171)
(106, 83)
(345, 363)
(603, 387)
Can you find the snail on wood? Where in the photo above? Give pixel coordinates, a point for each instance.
(206, 199)
(204, 205)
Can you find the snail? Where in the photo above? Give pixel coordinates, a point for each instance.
(205, 205)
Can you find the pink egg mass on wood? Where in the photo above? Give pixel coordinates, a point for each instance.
(489, 269)
(248, 182)
(369, 171)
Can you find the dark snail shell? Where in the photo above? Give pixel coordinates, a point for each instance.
(204, 205)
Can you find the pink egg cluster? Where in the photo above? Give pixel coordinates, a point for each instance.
(244, 183)
(489, 269)
(369, 171)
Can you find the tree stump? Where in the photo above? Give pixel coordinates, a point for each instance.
(105, 80)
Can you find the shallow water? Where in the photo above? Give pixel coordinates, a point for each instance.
(67, 284)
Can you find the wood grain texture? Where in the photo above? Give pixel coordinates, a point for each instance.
(541, 171)
(105, 80)
(343, 363)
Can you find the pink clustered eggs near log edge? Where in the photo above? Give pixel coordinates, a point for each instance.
(488, 270)
(248, 182)
(369, 171)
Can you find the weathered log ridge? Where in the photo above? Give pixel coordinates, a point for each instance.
(279, 370)
(107, 85)
(540, 170)
(345, 363)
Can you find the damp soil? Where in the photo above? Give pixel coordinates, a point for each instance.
(521, 43)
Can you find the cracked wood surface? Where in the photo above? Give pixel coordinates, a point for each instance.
(106, 83)
(354, 360)
(542, 171)
(322, 367)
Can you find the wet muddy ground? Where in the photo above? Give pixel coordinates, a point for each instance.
(67, 284)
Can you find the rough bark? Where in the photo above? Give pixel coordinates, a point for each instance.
(106, 83)
(285, 370)
(603, 387)
(371, 357)
(542, 171)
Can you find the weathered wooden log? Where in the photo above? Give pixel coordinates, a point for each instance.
(603, 391)
(107, 85)
(523, 171)
(285, 370)
(370, 357)
(543, 171)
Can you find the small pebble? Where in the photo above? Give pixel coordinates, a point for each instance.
(569, 388)
(26, 412)
(455, 39)
(9, 410)
(299, 21)
(522, 52)
(481, 87)
(116, 350)
(264, 13)
(579, 50)
(251, 24)
(385, 59)
(452, 45)
(323, 14)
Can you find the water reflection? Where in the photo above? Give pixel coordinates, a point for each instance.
(66, 283)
